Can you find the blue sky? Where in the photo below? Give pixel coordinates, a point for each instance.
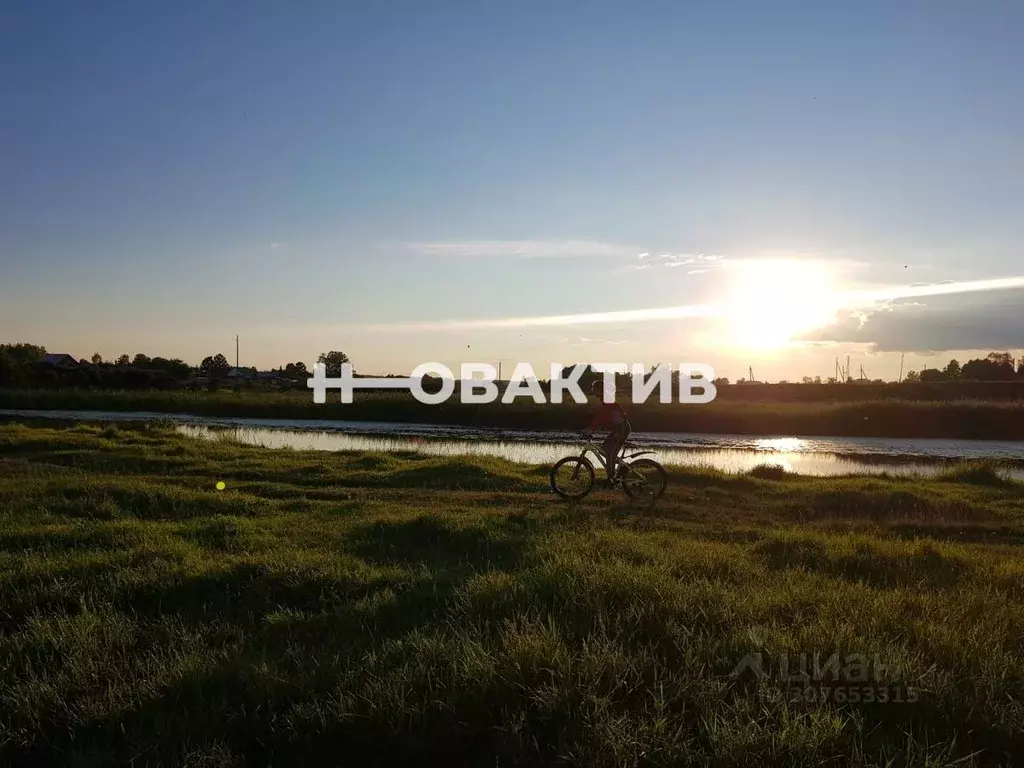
(174, 174)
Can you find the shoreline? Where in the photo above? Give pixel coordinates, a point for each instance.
(950, 420)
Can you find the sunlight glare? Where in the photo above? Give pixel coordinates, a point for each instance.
(773, 300)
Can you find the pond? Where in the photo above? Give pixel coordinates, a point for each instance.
(809, 456)
(730, 453)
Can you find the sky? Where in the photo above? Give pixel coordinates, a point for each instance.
(748, 185)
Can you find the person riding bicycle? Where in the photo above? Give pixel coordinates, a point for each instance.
(612, 416)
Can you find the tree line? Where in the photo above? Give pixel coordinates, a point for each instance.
(996, 366)
(22, 365)
(25, 365)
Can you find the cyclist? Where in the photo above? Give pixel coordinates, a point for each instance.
(613, 417)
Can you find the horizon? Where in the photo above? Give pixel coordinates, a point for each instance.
(842, 372)
(772, 189)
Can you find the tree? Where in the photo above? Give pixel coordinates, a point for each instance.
(96, 358)
(216, 367)
(175, 368)
(333, 360)
(996, 366)
(721, 381)
(806, 380)
(912, 376)
(23, 353)
(953, 369)
(817, 379)
(296, 371)
(931, 375)
(140, 360)
(123, 360)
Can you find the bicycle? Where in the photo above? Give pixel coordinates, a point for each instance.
(640, 479)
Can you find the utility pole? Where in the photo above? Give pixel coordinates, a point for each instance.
(846, 377)
(900, 379)
(236, 351)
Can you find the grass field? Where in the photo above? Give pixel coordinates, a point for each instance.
(954, 418)
(372, 609)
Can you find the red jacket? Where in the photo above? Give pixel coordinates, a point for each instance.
(608, 415)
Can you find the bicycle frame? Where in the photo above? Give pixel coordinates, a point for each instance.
(595, 448)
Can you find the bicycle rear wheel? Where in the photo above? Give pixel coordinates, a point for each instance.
(644, 480)
(572, 477)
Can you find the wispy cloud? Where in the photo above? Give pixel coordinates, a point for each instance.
(583, 340)
(626, 316)
(521, 249)
(851, 300)
(936, 289)
(703, 261)
(278, 245)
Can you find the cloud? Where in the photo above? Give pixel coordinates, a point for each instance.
(963, 321)
(856, 310)
(520, 249)
(671, 260)
(624, 316)
(607, 342)
(278, 245)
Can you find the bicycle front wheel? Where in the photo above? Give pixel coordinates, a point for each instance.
(644, 480)
(572, 477)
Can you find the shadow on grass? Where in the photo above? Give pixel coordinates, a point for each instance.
(923, 567)
(442, 545)
(245, 594)
(233, 715)
(965, 534)
(887, 505)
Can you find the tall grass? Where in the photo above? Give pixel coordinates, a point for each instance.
(382, 609)
(985, 472)
(970, 419)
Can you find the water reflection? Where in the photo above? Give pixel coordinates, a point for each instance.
(781, 444)
(819, 455)
(857, 449)
(789, 453)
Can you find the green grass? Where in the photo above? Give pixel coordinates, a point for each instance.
(977, 473)
(397, 609)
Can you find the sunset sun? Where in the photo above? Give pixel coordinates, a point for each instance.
(772, 301)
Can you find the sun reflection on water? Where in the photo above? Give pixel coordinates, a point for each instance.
(787, 444)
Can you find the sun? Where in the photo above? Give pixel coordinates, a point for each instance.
(772, 301)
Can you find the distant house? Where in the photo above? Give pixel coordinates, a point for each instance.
(243, 374)
(59, 359)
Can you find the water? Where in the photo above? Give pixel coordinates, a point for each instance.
(731, 453)
(803, 455)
